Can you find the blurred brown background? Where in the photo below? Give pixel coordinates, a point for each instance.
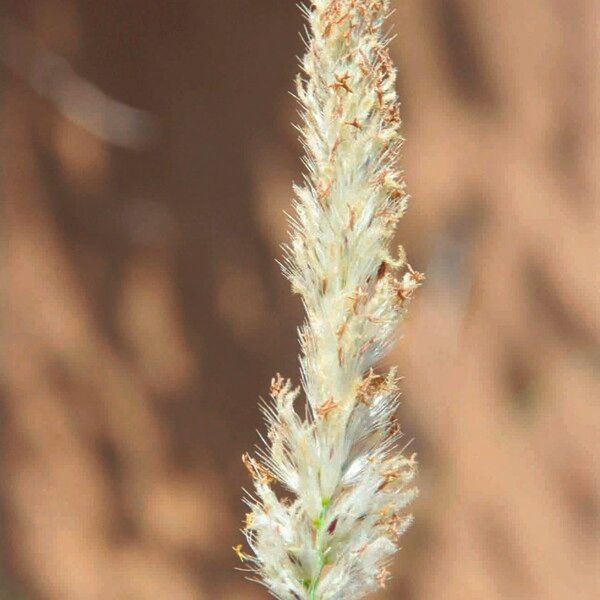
(146, 158)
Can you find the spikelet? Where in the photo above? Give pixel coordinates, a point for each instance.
(348, 483)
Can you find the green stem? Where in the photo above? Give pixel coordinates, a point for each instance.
(319, 524)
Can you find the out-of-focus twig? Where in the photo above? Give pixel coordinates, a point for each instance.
(78, 100)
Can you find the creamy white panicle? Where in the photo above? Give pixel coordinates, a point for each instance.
(347, 481)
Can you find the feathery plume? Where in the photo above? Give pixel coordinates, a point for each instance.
(340, 462)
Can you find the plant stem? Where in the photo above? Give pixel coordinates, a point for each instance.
(319, 550)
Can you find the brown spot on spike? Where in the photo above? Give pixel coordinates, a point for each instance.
(240, 554)
(257, 470)
(327, 406)
(369, 386)
(357, 297)
(418, 277)
(354, 123)
(361, 548)
(388, 217)
(394, 425)
(396, 192)
(341, 82)
(332, 526)
(392, 115)
(323, 192)
(277, 384)
(334, 147)
(352, 217)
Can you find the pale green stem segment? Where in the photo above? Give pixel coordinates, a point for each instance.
(321, 554)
